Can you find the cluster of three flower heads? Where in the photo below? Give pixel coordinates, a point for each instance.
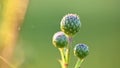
(70, 25)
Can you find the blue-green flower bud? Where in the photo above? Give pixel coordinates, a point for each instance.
(60, 40)
(81, 50)
(70, 24)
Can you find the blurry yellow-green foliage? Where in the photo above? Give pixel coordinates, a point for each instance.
(11, 15)
(100, 30)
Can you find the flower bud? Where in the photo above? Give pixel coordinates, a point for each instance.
(81, 50)
(60, 40)
(70, 24)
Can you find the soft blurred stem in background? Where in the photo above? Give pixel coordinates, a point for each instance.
(12, 13)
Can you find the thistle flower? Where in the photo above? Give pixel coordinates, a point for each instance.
(81, 50)
(70, 24)
(60, 40)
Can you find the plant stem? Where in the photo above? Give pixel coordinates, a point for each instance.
(63, 62)
(79, 62)
(65, 54)
(62, 54)
(69, 48)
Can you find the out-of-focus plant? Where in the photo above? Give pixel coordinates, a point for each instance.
(70, 25)
(12, 13)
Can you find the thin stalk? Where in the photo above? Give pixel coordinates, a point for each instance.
(69, 48)
(63, 58)
(62, 54)
(65, 54)
(79, 62)
(5, 61)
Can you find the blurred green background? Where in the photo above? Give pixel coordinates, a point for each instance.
(100, 31)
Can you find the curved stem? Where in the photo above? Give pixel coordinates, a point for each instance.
(79, 62)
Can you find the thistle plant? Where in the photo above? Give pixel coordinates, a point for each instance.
(60, 40)
(81, 51)
(69, 25)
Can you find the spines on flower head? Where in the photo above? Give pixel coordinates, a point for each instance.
(81, 50)
(70, 24)
(60, 40)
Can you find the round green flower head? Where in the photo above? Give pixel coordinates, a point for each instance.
(81, 50)
(60, 40)
(70, 24)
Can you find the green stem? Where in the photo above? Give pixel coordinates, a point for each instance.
(62, 54)
(65, 54)
(68, 49)
(79, 62)
(63, 60)
(4, 60)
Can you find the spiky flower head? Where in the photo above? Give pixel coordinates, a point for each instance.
(81, 50)
(60, 40)
(70, 24)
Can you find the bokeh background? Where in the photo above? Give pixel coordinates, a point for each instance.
(100, 30)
